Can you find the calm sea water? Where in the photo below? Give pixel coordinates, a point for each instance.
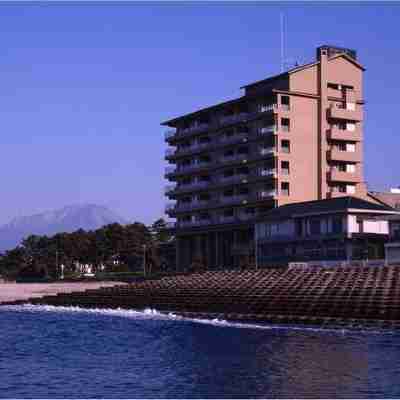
(58, 353)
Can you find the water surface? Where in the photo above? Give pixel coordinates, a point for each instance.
(68, 352)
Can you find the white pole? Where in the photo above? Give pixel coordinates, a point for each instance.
(144, 260)
(282, 44)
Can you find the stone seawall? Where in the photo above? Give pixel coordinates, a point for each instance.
(368, 296)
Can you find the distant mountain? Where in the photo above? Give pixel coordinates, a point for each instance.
(67, 219)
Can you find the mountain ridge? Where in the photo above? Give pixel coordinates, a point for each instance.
(69, 218)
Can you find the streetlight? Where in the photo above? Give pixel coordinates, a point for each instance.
(144, 260)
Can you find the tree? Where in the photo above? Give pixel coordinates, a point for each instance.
(160, 232)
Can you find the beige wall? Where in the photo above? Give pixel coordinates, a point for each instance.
(305, 80)
(303, 157)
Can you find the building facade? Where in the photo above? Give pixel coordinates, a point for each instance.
(290, 138)
(340, 229)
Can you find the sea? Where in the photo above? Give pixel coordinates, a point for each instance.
(55, 352)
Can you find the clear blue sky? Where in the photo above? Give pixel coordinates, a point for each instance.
(83, 88)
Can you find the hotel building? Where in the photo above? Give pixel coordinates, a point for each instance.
(293, 137)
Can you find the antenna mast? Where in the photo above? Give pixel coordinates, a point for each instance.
(282, 43)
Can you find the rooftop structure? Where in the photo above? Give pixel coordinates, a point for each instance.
(293, 137)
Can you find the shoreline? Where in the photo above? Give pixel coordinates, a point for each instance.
(17, 292)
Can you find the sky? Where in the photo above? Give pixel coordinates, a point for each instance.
(85, 86)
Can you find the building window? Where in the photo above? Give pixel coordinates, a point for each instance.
(285, 124)
(351, 168)
(285, 167)
(285, 188)
(350, 126)
(351, 147)
(334, 86)
(351, 106)
(315, 226)
(285, 103)
(350, 189)
(285, 146)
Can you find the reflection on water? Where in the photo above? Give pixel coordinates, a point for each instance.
(49, 352)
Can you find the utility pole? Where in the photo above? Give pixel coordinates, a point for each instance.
(144, 260)
(57, 261)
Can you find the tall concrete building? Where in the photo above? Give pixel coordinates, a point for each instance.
(293, 137)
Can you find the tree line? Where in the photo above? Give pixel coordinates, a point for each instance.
(113, 247)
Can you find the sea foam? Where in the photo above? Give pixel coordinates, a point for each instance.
(153, 314)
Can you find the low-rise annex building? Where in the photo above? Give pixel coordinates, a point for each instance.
(339, 230)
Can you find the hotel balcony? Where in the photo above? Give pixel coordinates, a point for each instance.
(233, 118)
(172, 171)
(342, 134)
(239, 178)
(241, 137)
(193, 224)
(341, 176)
(348, 156)
(266, 151)
(169, 133)
(172, 134)
(169, 189)
(267, 130)
(172, 153)
(266, 174)
(266, 108)
(241, 158)
(242, 199)
(345, 114)
(266, 194)
(178, 189)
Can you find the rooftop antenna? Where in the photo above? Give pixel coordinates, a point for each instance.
(282, 42)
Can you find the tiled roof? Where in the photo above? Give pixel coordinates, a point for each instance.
(339, 204)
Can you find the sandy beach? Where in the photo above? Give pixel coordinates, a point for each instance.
(23, 291)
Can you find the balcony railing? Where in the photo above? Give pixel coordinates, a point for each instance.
(191, 186)
(265, 194)
(193, 129)
(344, 113)
(189, 224)
(170, 170)
(237, 157)
(234, 199)
(234, 178)
(170, 133)
(239, 137)
(267, 172)
(187, 168)
(230, 119)
(169, 188)
(267, 130)
(169, 152)
(344, 134)
(267, 108)
(266, 151)
(169, 207)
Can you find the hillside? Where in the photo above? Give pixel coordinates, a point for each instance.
(66, 219)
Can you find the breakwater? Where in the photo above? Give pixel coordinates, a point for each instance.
(360, 296)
